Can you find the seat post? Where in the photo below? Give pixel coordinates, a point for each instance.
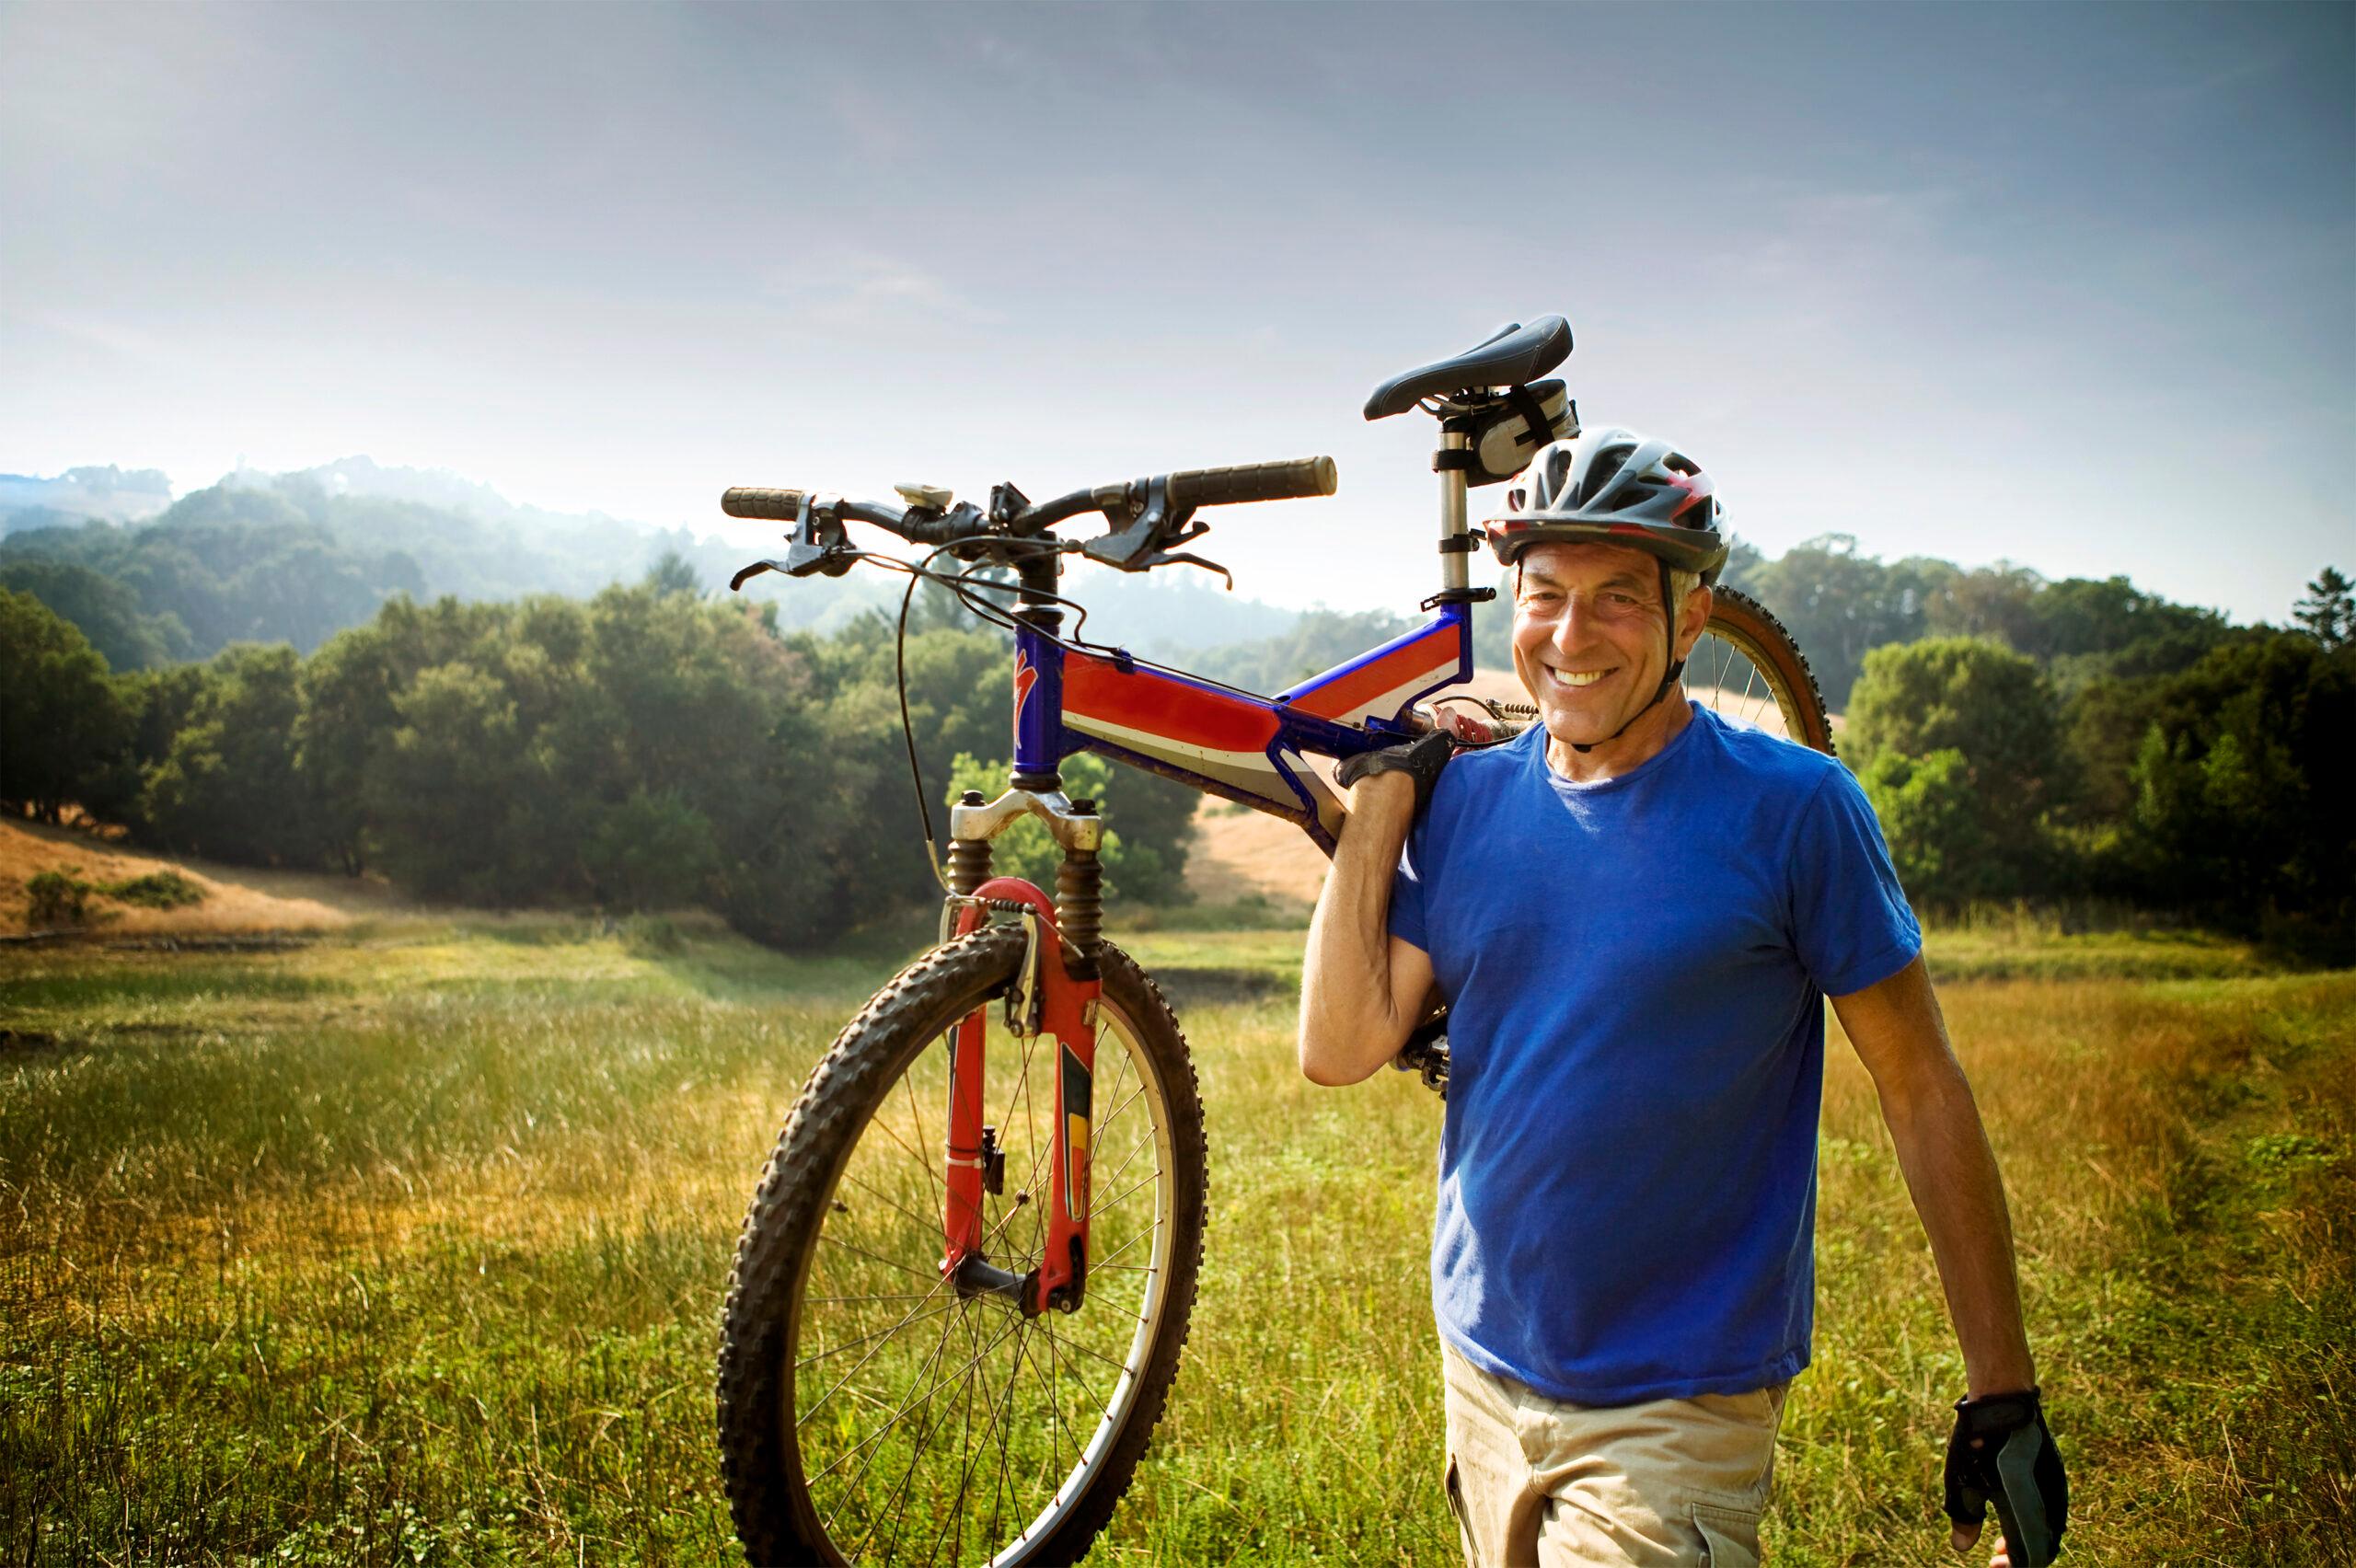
(1454, 566)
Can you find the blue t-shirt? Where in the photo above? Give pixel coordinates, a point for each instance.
(1636, 971)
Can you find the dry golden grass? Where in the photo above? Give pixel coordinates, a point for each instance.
(407, 1247)
(237, 899)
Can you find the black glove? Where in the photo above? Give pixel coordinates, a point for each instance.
(1420, 759)
(2002, 1453)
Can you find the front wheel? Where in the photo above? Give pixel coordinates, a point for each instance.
(868, 1412)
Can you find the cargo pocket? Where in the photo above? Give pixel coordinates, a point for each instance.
(1729, 1536)
(1455, 1486)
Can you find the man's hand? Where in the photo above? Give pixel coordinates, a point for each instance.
(2002, 1453)
(1420, 760)
(1362, 989)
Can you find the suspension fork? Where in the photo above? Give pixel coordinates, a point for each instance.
(1052, 1003)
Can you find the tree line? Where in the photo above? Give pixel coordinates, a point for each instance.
(2205, 775)
(643, 749)
(648, 747)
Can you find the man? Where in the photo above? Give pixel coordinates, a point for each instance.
(1633, 914)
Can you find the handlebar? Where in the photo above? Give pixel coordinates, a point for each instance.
(753, 501)
(1182, 492)
(1298, 479)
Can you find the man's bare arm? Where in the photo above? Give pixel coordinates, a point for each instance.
(1943, 1149)
(1362, 990)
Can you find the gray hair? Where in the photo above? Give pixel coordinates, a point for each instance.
(1680, 588)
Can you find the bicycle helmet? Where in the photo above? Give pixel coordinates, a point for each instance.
(1614, 486)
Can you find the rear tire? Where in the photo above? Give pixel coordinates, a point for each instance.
(1745, 644)
(843, 1205)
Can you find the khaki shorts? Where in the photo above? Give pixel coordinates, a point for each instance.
(1667, 1481)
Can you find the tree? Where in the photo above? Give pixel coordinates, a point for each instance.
(64, 725)
(106, 612)
(1977, 698)
(674, 573)
(446, 789)
(2329, 612)
(1839, 605)
(1961, 737)
(1943, 838)
(653, 851)
(2240, 780)
(228, 786)
(1996, 602)
(348, 713)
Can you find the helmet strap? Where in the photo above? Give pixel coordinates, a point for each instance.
(1676, 668)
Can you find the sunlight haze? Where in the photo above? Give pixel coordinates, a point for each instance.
(2070, 286)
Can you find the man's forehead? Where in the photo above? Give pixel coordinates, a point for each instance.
(1592, 564)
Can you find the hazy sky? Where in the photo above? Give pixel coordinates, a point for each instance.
(2074, 286)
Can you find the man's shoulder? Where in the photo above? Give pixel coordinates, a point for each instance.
(1768, 766)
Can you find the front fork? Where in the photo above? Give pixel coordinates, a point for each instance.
(1052, 1002)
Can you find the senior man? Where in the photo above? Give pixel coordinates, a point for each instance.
(1634, 913)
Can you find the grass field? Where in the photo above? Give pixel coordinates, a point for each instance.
(407, 1246)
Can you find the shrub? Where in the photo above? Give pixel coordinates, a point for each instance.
(56, 901)
(157, 890)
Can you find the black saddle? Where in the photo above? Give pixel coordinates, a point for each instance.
(1514, 355)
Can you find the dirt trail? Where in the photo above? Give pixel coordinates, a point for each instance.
(237, 898)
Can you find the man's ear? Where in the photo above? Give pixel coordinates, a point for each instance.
(1693, 617)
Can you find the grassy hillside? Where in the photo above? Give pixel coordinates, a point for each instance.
(407, 1247)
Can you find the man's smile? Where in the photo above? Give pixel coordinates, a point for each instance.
(1575, 679)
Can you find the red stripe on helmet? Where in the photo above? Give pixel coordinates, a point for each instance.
(1696, 488)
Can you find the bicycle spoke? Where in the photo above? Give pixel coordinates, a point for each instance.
(964, 1481)
(941, 1429)
(1133, 1186)
(923, 1225)
(1121, 1367)
(1118, 1169)
(809, 1361)
(851, 1489)
(838, 1242)
(873, 1441)
(939, 1179)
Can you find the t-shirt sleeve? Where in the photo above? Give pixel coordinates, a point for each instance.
(1407, 890)
(1851, 924)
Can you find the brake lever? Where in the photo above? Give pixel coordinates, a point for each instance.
(1145, 543)
(1180, 558)
(817, 544)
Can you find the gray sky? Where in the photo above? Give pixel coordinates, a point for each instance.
(2072, 287)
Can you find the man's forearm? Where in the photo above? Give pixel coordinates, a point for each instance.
(1952, 1174)
(1349, 1023)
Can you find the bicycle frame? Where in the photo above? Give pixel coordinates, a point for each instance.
(1214, 738)
(1224, 742)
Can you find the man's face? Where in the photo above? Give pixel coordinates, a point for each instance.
(1589, 638)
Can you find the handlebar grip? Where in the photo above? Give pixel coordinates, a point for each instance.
(1253, 481)
(776, 505)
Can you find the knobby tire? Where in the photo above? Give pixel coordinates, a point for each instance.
(789, 1450)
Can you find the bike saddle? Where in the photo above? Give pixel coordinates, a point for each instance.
(1514, 355)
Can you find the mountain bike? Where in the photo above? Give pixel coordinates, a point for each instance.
(961, 1291)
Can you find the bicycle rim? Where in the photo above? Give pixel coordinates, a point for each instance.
(1746, 669)
(920, 1426)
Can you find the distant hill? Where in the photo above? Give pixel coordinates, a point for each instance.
(116, 495)
(296, 557)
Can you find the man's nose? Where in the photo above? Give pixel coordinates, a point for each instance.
(1576, 624)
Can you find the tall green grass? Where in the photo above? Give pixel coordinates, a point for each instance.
(408, 1247)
